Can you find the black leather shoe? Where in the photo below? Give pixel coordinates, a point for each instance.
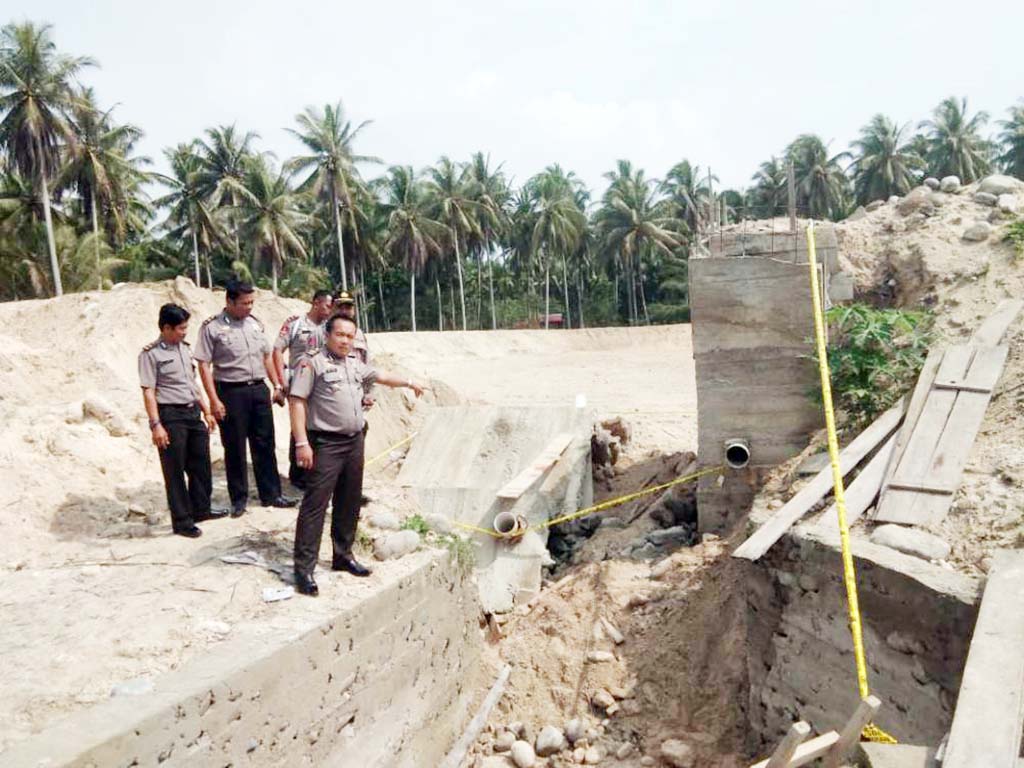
(215, 513)
(282, 502)
(237, 510)
(305, 585)
(364, 500)
(191, 532)
(351, 565)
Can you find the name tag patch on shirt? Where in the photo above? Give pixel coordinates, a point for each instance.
(332, 375)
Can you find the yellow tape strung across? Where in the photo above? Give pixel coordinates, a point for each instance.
(608, 504)
(871, 732)
(382, 454)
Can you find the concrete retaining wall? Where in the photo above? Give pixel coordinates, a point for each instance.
(918, 619)
(386, 683)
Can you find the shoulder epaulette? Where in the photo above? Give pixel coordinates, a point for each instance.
(209, 320)
(150, 346)
(257, 322)
(185, 343)
(291, 319)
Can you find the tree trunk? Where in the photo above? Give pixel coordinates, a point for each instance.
(96, 238)
(273, 274)
(383, 306)
(616, 263)
(565, 286)
(209, 272)
(547, 293)
(490, 278)
(479, 291)
(412, 299)
(462, 289)
(440, 311)
(195, 257)
(643, 300)
(341, 242)
(579, 298)
(58, 286)
(451, 289)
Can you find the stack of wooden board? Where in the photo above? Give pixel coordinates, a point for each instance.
(916, 470)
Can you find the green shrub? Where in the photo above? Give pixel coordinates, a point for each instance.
(875, 356)
(416, 523)
(1015, 235)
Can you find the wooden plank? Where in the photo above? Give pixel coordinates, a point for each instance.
(518, 485)
(989, 714)
(850, 735)
(995, 326)
(862, 491)
(961, 386)
(798, 733)
(776, 526)
(936, 471)
(917, 401)
(809, 751)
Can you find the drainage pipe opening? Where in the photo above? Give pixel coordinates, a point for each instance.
(737, 453)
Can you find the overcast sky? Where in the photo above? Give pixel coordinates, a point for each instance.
(533, 82)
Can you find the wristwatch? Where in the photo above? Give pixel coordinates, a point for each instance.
(154, 423)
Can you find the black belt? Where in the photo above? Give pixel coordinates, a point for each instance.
(322, 434)
(235, 384)
(190, 406)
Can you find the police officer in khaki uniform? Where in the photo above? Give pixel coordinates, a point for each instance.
(301, 336)
(234, 356)
(171, 397)
(326, 404)
(345, 305)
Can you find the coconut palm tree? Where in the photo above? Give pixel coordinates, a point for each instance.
(190, 214)
(331, 164)
(490, 191)
(448, 185)
(955, 144)
(885, 163)
(413, 236)
(769, 194)
(821, 184)
(558, 222)
(1011, 141)
(97, 166)
(271, 215)
(689, 192)
(633, 221)
(222, 165)
(36, 98)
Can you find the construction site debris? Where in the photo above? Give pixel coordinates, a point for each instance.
(550, 741)
(911, 541)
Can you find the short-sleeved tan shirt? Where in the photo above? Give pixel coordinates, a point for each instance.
(333, 389)
(235, 347)
(301, 337)
(168, 369)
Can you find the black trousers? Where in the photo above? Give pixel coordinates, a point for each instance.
(249, 419)
(187, 456)
(337, 474)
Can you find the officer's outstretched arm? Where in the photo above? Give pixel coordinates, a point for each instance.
(385, 378)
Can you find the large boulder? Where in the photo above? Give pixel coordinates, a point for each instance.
(911, 541)
(394, 545)
(932, 183)
(918, 201)
(998, 184)
(950, 184)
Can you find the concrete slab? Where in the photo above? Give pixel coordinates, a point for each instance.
(464, 455)
(898, 756)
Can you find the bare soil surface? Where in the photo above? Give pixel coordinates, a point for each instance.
(94, 589)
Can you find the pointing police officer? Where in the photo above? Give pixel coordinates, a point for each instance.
(301, 336)
(173, 403)
(325, 401)
(234, 357)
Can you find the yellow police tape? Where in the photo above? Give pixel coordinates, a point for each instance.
(382, 454)
(608, 504)
(871, 732)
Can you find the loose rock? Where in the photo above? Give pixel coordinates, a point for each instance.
(998, 184)
(624, 751)
(874, 205)
(99, 409)
(523, 755)
(932, 183)
(911, 541)
(394, 545)
(984, 198)
(387, 521)
(950, 184)
(598, 657)
(678, 753)
(549, 741)
(602, 699)
(574, 730)
(592, 756)
(1008, 203)
(978, 231)
(438, 523)
(505, 741)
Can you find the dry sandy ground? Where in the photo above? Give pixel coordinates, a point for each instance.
(95, 591)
